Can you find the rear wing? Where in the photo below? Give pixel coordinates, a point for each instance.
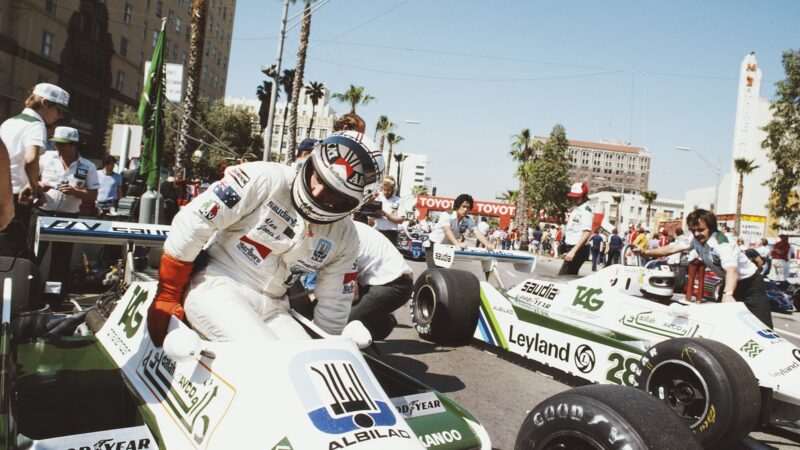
(87, 231)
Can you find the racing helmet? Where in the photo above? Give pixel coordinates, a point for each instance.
(349, 165)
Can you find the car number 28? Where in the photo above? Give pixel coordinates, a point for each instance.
(623, 370)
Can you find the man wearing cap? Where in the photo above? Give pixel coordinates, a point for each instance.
(67, 179)
(579, 229)
(25, 136)
(392, 212)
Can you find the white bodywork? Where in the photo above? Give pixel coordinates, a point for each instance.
(591, 328)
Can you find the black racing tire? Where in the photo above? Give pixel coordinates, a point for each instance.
(603, 417)
(445, 305)
(707, 384)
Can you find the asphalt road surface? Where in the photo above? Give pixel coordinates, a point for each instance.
(500, 390)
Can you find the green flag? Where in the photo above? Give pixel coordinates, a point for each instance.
(151, 114)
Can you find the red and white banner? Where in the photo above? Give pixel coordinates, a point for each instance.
(505, 211)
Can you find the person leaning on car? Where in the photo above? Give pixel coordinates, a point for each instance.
(451, 228)
(742, 282)
(579, 229)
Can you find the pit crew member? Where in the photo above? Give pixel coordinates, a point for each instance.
(271, 225)
(453, 227)
(579, 229)
(385, 282)
(392, 212)
(742, 282)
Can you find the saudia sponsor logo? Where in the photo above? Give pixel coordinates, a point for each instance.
(111, 444)
(538, 345)
(282, 213)
(441, 256)
(547, 291)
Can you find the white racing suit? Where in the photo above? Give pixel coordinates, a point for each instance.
(262, 246)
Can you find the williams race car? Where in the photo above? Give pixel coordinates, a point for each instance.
(716, 365)
(94, 379)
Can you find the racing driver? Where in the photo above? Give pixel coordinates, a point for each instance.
(272, 225)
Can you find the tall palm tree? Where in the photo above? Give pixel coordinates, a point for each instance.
(392, 139)
(399, 158)
(522, 152)
(297, 82)
(510, 196)
(355, 96)
(183, 150)
(315, 91)
(287, 83)
(649, 197)
(383, 126)
(617, 201)
(263, 92)
(743, 166)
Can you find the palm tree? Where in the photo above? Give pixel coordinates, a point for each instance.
(315, 91)
(287, 83)
(355, 96)
(743, 166)
(649, 197)
(399, 158)
(263, 92)
(419, 190)
(392, 139)
(297, 81)
(522, 151)
(510, 196)
(384, 125)
(617, 201)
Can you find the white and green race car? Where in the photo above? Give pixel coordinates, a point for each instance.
(716, 365)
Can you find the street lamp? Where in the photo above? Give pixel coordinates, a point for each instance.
(717, 168)
(273, 72)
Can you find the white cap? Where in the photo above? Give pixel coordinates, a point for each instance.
(65, 134)
(52, 93)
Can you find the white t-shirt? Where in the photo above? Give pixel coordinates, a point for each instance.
(580, 220)
(763, 251)
(483, 227)
(19, 133)
(459, 228)
(80, 174)
(379, 262)
(718, 254)
(392, 205)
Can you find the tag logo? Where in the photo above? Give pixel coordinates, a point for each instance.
(586, 298)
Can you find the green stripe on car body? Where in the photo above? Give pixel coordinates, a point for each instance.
(494, 327)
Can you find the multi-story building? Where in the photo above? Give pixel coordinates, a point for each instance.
(97, 49)
(632, 209)
(323, 119)
(608, 165)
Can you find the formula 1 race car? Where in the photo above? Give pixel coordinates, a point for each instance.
(716, 365)
(107, 386)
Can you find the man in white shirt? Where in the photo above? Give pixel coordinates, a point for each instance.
(385, 282)
(110, 189)
(67, 179)
(579, 230)
(451, 228)
(392, 213)
(742, 283)
(25, 136)
(483, 227)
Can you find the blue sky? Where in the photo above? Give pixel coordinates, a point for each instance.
(475, 73)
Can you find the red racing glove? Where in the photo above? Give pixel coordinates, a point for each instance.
(173, 275)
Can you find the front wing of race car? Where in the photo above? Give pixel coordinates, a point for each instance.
(591, 329)
(117, 387)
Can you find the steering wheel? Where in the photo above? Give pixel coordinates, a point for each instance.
(628, 250)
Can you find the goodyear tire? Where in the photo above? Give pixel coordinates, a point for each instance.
(603, 417)
(444, 308)
(707, 384)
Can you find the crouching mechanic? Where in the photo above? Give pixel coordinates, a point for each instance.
(272, 225)
(385, 282)
(742, 282)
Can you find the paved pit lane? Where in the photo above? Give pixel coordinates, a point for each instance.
(500, 392)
